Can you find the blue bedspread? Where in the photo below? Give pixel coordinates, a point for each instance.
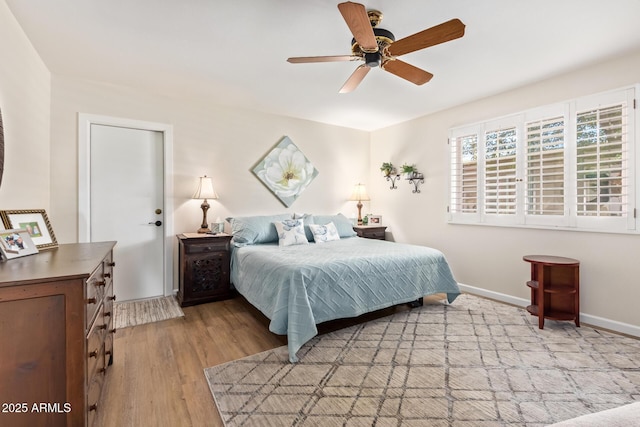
(297, 287)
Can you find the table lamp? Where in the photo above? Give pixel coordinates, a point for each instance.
(359, 194)
(205, 191)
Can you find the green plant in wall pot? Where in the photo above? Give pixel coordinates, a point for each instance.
(387, 169)
(408, 170)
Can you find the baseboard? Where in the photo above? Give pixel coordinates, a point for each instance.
(595, 321)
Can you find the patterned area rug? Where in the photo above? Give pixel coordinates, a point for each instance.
(133, 313)
(475, 362)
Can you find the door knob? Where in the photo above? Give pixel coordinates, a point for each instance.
(158, 211)
(156, 223)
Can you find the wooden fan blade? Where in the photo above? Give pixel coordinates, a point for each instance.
(407, 71)
(354, 79)
(355, 15)
(444, 32)
(334, 58)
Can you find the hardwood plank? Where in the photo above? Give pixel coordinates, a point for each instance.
(157, 374)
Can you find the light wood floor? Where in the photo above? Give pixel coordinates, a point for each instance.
(157, 375)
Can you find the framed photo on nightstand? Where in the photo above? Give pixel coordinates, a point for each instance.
(375, 220)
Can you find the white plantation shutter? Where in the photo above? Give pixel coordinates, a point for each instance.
(500, 171)
(601, 145)
(464, 174)
(545, 193)
(569, 165)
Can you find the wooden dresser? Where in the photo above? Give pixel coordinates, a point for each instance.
(56, 334)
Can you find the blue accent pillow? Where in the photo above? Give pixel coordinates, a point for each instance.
(324, 233)
(250, 230)
(342, 223)
(291, 232)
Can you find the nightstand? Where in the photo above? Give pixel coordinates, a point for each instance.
(370, 231)
(204, 268)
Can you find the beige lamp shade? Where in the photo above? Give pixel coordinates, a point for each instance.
(205, 189)
(359, 193)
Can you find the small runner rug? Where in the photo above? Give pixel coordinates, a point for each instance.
(475, 362)
(133, 313)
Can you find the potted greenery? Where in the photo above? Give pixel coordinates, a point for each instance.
(387, 168)
(409, 171)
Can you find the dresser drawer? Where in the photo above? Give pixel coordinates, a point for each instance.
(95, 293)
(108, 306)
(93, 398)
(107, 270)
(108, 349)
(95, 345)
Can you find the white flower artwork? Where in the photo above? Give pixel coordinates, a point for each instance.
(285, 171)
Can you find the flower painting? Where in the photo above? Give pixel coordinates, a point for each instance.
(285, 171)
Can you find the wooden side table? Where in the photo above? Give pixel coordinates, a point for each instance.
(370, 231)
(204, 268)
(555, 288)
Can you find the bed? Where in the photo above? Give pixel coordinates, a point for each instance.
(300, 285)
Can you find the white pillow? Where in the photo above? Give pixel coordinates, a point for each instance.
(291, 232)
(324, 233)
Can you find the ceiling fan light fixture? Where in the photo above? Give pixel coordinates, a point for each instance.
(372, 59)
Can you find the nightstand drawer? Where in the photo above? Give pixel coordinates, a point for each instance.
(375, 235)
(371, 232)
(201, 248)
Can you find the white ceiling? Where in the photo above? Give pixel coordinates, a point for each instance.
(234, 52)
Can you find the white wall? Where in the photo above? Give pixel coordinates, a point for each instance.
(224, 143)
(40, 119)
(491, 257)
(25, 86)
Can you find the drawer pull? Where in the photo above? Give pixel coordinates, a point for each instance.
(113, 331)
(93, 353)
(111, 264)
(108, 352)
(112, 298)
(101, 283)
(93, 407)
(102, 327)
(92, 301)
(107, 314)
(106, 275)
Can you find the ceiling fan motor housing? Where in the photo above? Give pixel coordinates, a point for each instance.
(384, 39)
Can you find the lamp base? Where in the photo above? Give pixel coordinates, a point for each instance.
(204, 227)
(359, 205)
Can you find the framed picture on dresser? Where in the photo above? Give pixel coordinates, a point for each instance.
(16, 243)
(35, 222)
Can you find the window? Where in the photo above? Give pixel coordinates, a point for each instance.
(601, 172)
(567, 165)
(464, 179)
(500, 171)
(545, 167)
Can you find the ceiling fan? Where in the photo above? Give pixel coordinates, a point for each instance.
(377, 47)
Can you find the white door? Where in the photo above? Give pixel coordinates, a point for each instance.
(126, 204)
